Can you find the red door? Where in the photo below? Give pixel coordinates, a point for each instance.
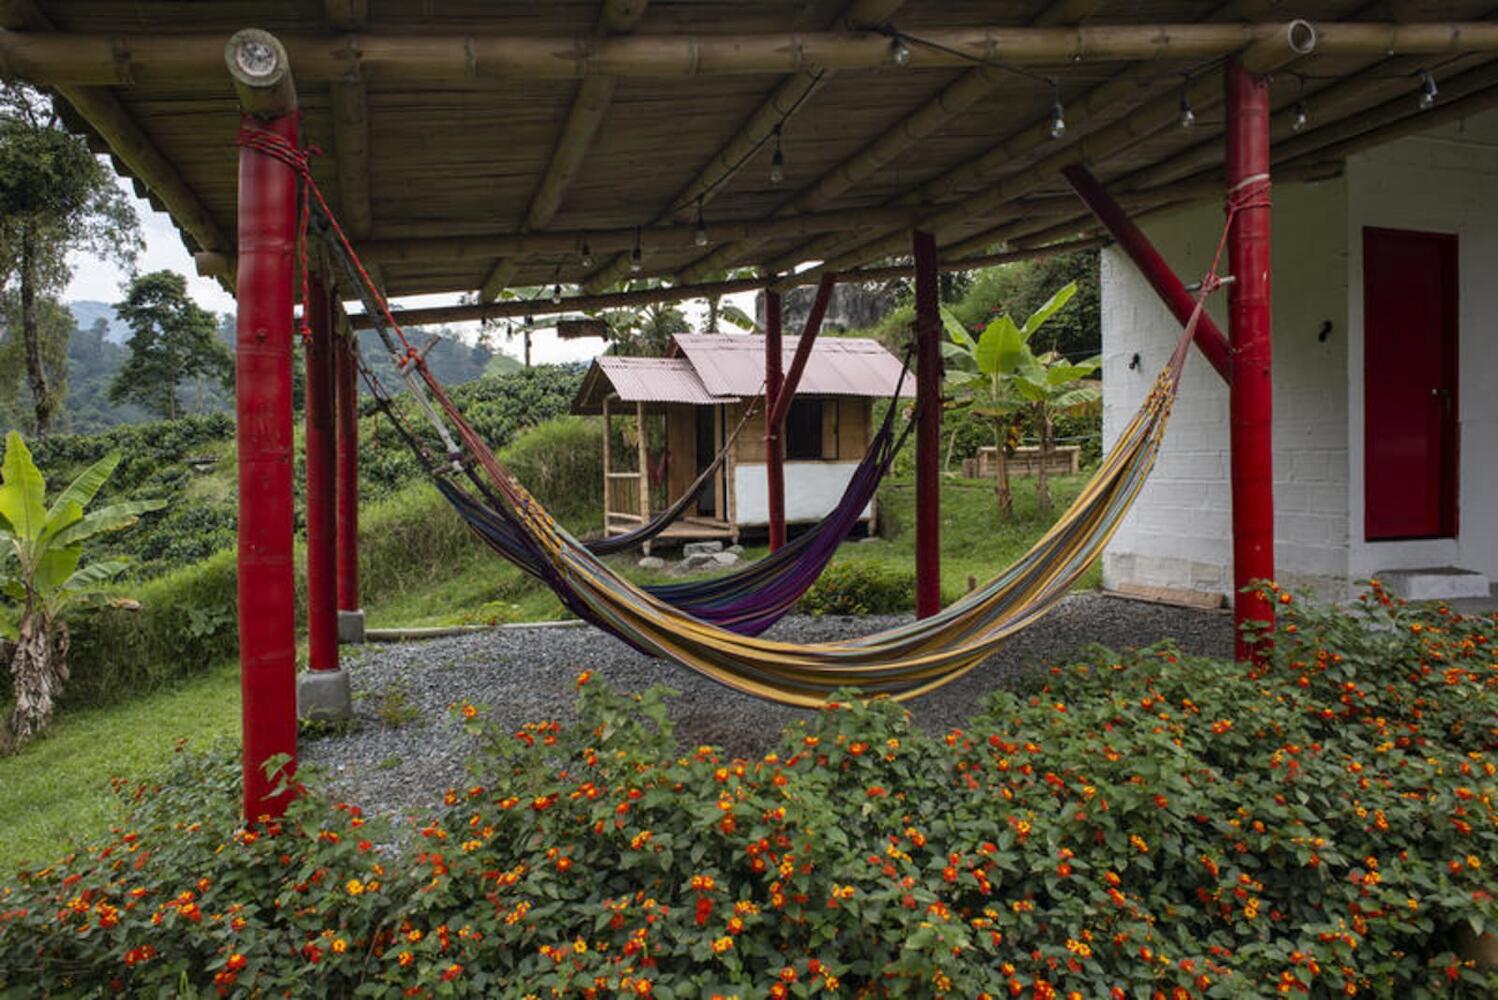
(1409, 384)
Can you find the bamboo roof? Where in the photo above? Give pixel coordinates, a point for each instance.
(472, 145)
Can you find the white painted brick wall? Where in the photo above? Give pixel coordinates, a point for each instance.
(1179, 533)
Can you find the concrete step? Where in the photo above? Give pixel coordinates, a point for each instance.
(1436, 583)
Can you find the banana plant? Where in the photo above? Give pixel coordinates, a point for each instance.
(41, 573)
(999, 377)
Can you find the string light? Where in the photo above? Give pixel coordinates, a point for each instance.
(585, 253)
(1302, 115)
(556, 294)
(1428, 90)
(1058, 114)
(777, 161)
(1188, 115)
(699, 235)
(636, 259)
(899, 52)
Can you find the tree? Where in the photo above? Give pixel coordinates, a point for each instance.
(645, 330)
(55, 197)
(999, 376)
(41, 549)
(173, 340)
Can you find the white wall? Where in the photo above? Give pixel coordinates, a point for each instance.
(1443, 181)
(1179, 533)
(812, 489)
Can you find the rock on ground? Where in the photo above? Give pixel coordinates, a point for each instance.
(408, 749)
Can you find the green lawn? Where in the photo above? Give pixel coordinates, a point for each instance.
(56, 792)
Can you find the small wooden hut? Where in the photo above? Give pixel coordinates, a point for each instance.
(697, 396)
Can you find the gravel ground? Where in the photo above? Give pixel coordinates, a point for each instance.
(406, 748)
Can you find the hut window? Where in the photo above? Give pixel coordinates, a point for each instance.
(803, 430)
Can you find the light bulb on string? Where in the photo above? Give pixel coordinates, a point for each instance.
(899, 52)
(556, 294)
(585, 253)
(699, 235)
(777, 161)
(1428, 90)
(1188, 115)
(636, 259)
(1058, 120)
(1302, 116)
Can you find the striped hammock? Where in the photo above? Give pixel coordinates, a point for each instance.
(901, 663)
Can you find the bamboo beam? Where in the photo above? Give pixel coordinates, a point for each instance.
(134, 152)
(731, 157)
(667, 237)
(951, 101)
(590, 106)
(51, 58)
(261, 72)
(349, 109)
(469, 312)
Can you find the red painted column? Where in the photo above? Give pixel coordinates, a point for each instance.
(346, 380)
(1132, 241)
(1250, 394)
(322, 585)
(928, 382)
(267, 599)
(774, 436)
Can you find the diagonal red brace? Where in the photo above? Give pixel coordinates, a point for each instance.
(1209, 337)
(803, 350)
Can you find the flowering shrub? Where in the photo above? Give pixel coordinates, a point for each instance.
(860, 587)
(1142, 826)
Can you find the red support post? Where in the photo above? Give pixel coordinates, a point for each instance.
(322, 585)
(804, 345)
(774, 438)
(267, 598)
(928, 394)
(346, 380)
(1132, 241)
(1250, 393)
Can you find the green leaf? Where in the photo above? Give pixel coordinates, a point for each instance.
(1000, 347)
(8, 623)
(55, 566)
(1052, 306)
(93, 574)
(83, 489)
(23, 491)
(960, 337)
(111, 518)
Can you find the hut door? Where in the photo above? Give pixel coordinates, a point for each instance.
(707, 450)
(1409, 384)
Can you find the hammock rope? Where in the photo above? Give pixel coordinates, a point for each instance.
(903, 662)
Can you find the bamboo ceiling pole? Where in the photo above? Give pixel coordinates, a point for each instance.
(590, 106)
(349, 109)
(520, 245)
(953, 100)
(677, 293)
(50, 58)
(738, 150)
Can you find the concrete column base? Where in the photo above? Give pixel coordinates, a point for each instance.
(323, 695)
(351, 627)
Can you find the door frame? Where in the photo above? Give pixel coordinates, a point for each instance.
(1450, 507)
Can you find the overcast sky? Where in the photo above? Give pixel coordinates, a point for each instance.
(104, 282)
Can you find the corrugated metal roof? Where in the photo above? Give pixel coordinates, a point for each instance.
(730, 365)
(649, 380)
